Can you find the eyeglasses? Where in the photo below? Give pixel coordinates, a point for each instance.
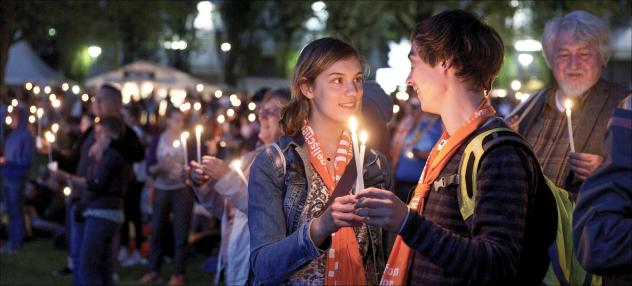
(265, 113)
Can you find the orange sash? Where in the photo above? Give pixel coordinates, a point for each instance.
(344, 264)
(396, 272)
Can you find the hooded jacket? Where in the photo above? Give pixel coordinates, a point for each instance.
(19, 149)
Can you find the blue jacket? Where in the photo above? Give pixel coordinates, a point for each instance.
(602, 220)
(277, 193)
(19, 149)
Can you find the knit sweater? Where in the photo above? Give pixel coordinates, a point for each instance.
(498, 244)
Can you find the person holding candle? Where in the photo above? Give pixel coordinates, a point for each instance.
(455, 58)
(291, 223)
(102, 201)
(223, 190)
(75, 161)
(164, 164)
(576, 47)
(18, 154)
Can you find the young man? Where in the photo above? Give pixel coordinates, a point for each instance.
(455, 58)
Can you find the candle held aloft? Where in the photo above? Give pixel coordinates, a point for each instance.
(363, 138)
(568, 104)
(184, 136)
(198, 138)
(353, 126)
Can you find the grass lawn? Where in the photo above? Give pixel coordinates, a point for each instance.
(36, 262)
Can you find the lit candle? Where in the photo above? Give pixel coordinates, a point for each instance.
(51, 139)
(568, 104)
(176, 145)
(184, 136)
(40, 113)
(198, 136)
(363, 138)
(236, 166)
(353, 126)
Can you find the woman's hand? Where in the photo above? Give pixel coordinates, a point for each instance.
(198, 177)
(338, 214)
(381, 208)
(214, 167)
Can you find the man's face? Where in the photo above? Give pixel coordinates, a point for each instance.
(428, 82)
(576, 65)
(105, 104)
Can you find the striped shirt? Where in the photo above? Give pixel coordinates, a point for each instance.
(496, 245)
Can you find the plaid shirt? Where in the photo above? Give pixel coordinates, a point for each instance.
(545, 129)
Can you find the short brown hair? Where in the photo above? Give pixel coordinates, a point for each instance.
(316, 57)
(475, 49)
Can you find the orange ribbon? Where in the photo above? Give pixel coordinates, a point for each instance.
(344, 264)
(396, 271)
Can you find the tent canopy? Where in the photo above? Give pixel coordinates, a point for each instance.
(142, 71)
(24, 65)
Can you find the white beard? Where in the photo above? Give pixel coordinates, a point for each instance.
(574, 91)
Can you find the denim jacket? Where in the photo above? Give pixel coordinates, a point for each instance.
(277, 193)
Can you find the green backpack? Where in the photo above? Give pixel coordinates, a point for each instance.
(564, 268)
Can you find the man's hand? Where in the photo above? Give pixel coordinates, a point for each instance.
(584, 164)
(381, 208)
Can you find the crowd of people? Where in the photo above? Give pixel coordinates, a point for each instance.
(447, 192)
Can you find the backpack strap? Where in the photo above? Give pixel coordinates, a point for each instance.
(470, 163)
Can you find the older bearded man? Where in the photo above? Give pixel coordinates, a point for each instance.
(577, 48)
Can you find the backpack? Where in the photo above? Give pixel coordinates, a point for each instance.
(564, 268)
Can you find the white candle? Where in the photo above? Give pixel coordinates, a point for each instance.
(40, 113)
(236, 166)
(568, 104)
(51, 139)
(198, 136)
(183, 142)
(176, 145)
(353, 126)
(363, 138)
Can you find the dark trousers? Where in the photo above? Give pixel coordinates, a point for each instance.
(75, 242)
(132, 214)
(180, 203)
(14, 201)
(96, 251)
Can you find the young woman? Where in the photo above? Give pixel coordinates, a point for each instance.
(165, 164)
(296, 236)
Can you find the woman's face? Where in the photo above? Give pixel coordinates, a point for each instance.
(269, 116)
(175, 122)
(336, 93)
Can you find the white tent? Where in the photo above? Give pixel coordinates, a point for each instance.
(25, 66)
(158, 75)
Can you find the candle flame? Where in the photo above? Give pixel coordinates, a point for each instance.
(49, 137)
(236, 164)
(363, 137)
(67, 191)
(176, 144)
(54, 127)
(198, 130)
(40, 112)
(221, 118)
(353, 124)
(568, 104)
(184, 136)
